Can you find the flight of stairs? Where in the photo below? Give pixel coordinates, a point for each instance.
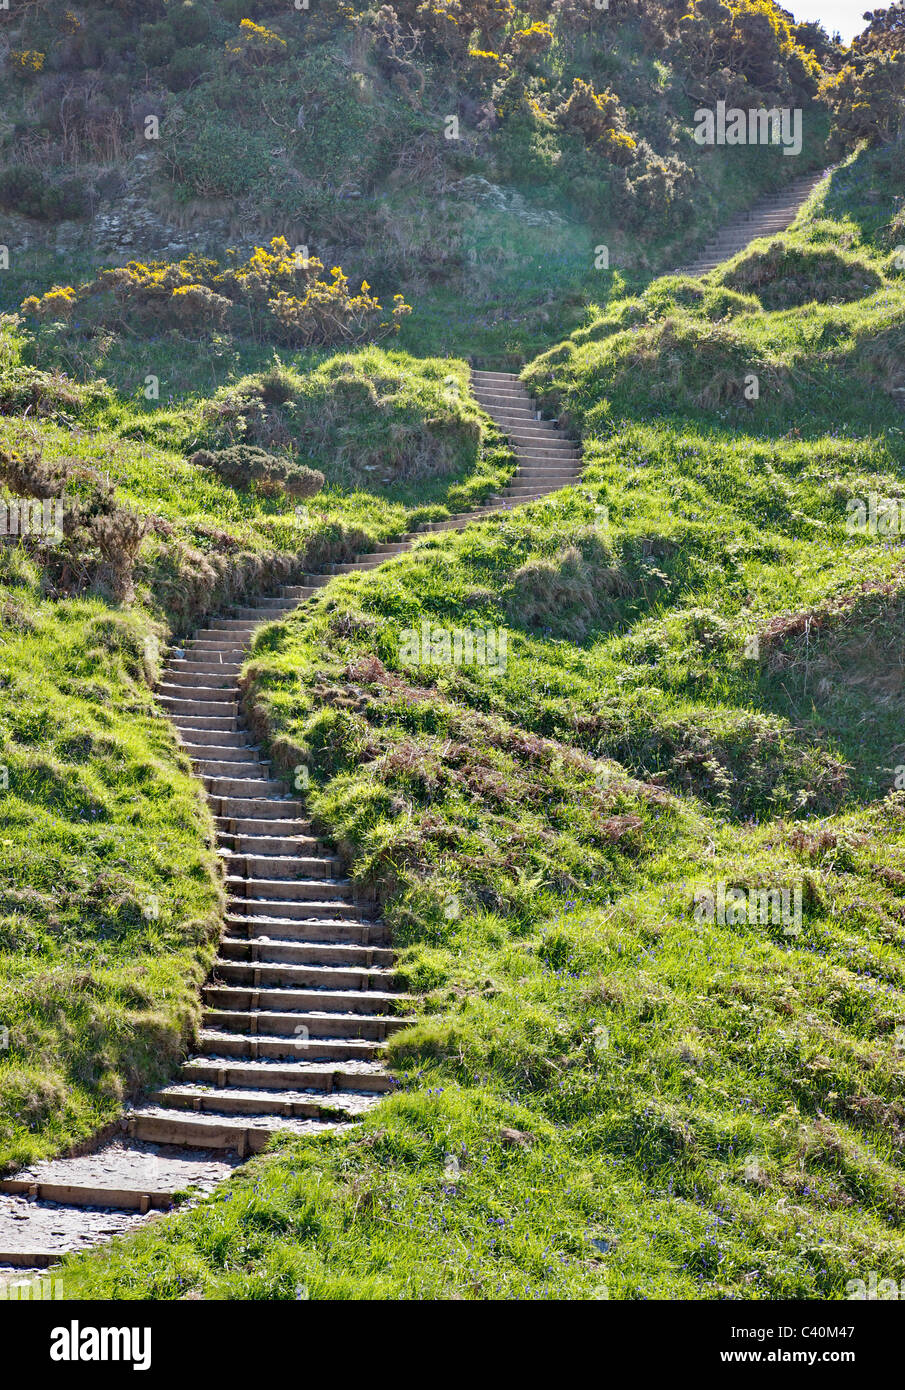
(301, 999)
(547, 459)
(771, 215)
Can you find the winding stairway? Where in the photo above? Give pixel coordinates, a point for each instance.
(301, 999)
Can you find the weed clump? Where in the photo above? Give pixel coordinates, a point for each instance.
(568, 594)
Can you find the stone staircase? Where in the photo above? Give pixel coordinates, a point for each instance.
(547, 459)
(774, 214)
(301, 999)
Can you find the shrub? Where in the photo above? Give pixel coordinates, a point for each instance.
(329, 313)
(118, 535)
(57, 303)
(255, 45)
(274, 289)
(867, 99)
(101, 539)
(242, 465)
(37, 195)
(598, 117)
(533, 40)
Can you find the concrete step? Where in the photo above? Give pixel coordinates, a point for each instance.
(263, 615)
(261, 949)
(314, 1027)
(274, 1075)
(238, 787)
(268, 912)
(283, 999)
(282, 890)
(215, 769)
(255, 807)
(235, 754)
(201, 662)
(139, 1199)
(256, 846)
(276, 1105)
(210, 694)
(267, 867)
(249, 1135)
(298, 593)
(258, 826)
(196, 724)
(221, 739)
(357, 566)
(251, 1045)
(243, 926)
(215, 647)
(214, 709)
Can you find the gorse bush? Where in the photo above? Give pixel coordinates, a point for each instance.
(747, 47)
(242, 465)
(598, 117)
(274, 291)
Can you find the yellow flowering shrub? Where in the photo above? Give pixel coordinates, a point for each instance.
(255, 45)
(27, 59)
(275, 292)
(530, 42)
(598, 117)
(57, 303)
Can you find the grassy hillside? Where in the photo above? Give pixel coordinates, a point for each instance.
(474, 154)
(614, 1091)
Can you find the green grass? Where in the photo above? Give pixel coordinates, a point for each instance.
(110, 900)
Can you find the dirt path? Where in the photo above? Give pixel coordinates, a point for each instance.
(301, 998)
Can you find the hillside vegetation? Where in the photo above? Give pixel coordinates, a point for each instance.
(473, 155)
(250, 250)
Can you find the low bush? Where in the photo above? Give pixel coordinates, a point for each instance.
(242, 465)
